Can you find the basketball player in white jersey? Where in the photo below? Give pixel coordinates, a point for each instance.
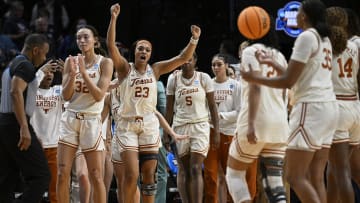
(227, 97)
(116, 158)
(345, 69)
(85, 81)
(138, 128)
(251, 172)
(45, 121)
(314, 116)
(262, 126)
(353, 30)
(190, 98)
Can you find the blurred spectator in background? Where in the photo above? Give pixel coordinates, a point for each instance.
(41, 26)
(68, 44)
(4, 6)
(57, 13)
(14, 24)
(8, 50)
(228, 48)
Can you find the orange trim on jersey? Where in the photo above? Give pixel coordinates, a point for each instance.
(273, 152)
(68, 144)
(343, 140)
(95, 146)
(126, 148)
(302, 131)
(200, 152)
(151, 145)
(194, 151)
(136, 148)
(354, 143)
(243, 154)
(117, 162)
(347, 97)
(303, 114)
(327, 146)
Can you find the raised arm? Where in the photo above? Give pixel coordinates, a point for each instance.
(121, 65)
(163, 67)
(68, 81)
(47, 67)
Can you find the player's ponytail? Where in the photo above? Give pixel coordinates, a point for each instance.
(337, 19)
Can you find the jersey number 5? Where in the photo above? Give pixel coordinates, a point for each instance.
(188, 100)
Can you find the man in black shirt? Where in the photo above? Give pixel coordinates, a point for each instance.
(20, 150)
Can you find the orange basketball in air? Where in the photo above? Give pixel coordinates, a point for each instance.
(253, 22)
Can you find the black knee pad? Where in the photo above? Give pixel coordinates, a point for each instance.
(270, 166)
(146, 157)
(148, 189)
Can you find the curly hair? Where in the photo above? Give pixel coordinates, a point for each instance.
(337, 18)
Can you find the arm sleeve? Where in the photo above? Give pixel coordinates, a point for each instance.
(25, 71)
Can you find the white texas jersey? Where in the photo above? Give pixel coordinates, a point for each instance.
(138, 93)
(345, 68)
(356, 40)
(227, 97)
(271, 124)
(47, 115)
(314, 83)
(82, 100)
(190, 97)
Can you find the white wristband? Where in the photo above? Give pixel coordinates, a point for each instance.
(194, 41)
